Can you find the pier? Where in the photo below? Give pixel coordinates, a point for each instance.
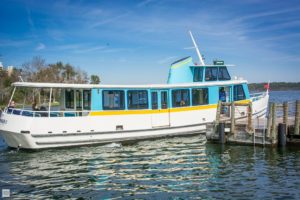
(236, 124)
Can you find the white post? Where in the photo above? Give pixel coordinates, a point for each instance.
(12, 95)
(81, 99)
(50, 102)
(197, 50)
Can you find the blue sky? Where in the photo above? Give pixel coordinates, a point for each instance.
(131, 42)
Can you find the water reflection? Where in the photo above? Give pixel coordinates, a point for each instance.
(173, 168)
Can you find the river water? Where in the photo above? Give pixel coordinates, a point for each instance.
(169, 168)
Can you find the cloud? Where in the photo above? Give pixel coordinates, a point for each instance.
(144, 2)
(108, 20)
(267, 14)
(40, 47)
(14, 43)
(89, 49)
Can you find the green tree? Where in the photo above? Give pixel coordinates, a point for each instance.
(95, 79)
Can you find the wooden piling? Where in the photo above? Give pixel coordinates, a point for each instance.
(232, 125)
(222, 138)
(297, 117)
(282, 135)
(218, 116)
(285, 113)
(249, 119)
(269, 122)
(273, 127)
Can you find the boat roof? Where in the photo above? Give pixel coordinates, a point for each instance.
(148, 86)
(229, 65)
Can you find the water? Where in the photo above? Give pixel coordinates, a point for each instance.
(171, 168)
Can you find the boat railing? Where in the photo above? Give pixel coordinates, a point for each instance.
(257, 96)
(46, 113)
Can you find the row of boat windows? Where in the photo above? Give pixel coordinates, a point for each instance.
(138, 99)
(211, 74)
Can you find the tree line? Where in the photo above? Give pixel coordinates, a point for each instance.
(275, 86)
(37, 70)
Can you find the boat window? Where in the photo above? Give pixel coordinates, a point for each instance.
(223, 74)
(198, 74)
(69, 96)
(137, 99)
(86, 99)
(78, 99)
(113, 100)
(200, 96)
(181, 98)
(154, 100)
(238, 93)
(164, 100)
(211, 73)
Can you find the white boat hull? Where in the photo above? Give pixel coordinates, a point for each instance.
(43, 132)
(49, 132)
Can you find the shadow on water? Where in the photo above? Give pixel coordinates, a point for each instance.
(171, 168)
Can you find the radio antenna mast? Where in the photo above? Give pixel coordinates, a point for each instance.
(197, 49)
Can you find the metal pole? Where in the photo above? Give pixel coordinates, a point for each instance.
(50, 102)
(13, 93)
(297, 117)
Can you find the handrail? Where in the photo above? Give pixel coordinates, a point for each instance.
(47, 113)
(257, 94)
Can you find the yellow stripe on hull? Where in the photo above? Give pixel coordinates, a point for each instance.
(143, 112)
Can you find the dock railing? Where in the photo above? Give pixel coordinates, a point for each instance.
(281, 125)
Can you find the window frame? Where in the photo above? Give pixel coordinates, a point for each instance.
(153, 106)
(121, 100)
(206, 99)
(187, 102)
(72, 97)
(89, 98)
(200, 72)
(235, 94)
(226, 73)
(211, 71)
(145, 105)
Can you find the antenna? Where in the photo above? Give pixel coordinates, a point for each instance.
(197, 50)
(20, 77)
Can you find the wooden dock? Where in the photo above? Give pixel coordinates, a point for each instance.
(279, 128)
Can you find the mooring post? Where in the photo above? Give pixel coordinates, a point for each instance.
(273, 128)
(285, 112)
(232, 126)
(249, 118)
(282, 135)
(218, 116)
(269, 122)
(297, 117)
(222, 138)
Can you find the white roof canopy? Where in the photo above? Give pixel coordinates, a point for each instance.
(91, 86)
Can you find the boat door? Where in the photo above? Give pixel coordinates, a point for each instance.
(224, 94)
(160, 103)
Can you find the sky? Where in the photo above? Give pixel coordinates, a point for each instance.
(135, 41)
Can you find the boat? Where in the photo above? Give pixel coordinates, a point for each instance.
(98, 113)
